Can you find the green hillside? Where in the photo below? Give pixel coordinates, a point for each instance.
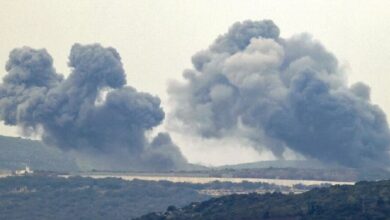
(364, 200)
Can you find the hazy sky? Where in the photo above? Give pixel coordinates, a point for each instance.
(156, 40)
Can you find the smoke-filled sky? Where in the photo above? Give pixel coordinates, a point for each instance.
(156, 40)
(92, 112)
(280, 94)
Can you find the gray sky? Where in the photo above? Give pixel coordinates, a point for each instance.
(157, 38)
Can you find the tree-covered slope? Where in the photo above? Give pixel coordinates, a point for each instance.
(76, 198)
(364, 200)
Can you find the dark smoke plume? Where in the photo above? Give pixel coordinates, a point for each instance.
(280, 94)
(91, 112)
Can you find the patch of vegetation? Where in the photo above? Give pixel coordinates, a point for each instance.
(51, 197)
(43, 197)
(364, 200)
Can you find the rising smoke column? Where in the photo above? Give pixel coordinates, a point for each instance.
(280, 94)
(91, 112)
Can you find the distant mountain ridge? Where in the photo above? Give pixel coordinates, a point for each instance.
(16, 153)
(313, 164)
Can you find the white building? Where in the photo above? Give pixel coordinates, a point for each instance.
(24, 171)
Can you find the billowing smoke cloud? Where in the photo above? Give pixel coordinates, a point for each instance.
(91, 112)
(282, 94)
